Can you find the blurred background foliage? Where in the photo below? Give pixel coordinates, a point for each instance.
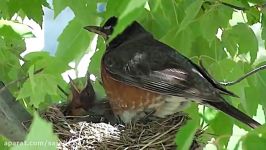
(227, 35)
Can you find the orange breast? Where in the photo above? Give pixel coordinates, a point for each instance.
(124, 97)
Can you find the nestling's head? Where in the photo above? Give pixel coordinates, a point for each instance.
(106, 30)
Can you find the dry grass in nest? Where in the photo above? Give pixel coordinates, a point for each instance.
(154, 135)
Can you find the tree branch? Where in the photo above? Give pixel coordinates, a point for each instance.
(12, 116)
(18, 80)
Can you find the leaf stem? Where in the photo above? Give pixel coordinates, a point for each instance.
(244, 76)
(233, 6)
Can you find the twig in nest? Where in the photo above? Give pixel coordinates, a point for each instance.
(18, 80)
(158, 137)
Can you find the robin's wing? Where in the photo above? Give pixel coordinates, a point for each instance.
(159, 68)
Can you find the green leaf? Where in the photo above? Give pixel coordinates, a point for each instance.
(239, 3)
(127, 11)
(253, 15)
(132, 6)
(42, 60)
(257, 1)
(40, 136)
(38, 87)
(4, 143)
(59, 6)
(202, 47)
(261, 85)
(254, 142)
(85, 11)
(233, 40)
(255, 139)
(114, 8)
(158, 9)
(263, 26)
(31, 8)
(4, 10)
(191, 13)
(21, 29)
(31, 79)
(181, 41)
(209, 26)
(44, 84)
(13, 41)
(95, 66)
(73, 42)
(228, 70)
(186, 133)
(213, 19)
(224, 13)
(253, 98)
(222, 125)
(11, 46)
(218, 50)
(10, 66)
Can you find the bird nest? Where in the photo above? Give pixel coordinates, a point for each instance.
(76, 133)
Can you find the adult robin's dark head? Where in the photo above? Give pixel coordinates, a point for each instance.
(106, 30)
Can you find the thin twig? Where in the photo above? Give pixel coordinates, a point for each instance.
(233, 6)
(244, 76)
(18, 80)
(84, 116)
(158, 137)
(62, 90)
(258, 6)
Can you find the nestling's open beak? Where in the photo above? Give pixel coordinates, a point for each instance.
(97, 30)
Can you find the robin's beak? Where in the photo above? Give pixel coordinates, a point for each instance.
(97, 30)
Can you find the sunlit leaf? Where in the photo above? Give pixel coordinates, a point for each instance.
(95, 66)
(220, 126)
(125, 11)
(253, 15)
(213, 19)
(256, 139)
(43, 60)
(73, 42)
(253, 98)
(45, 84)
(31, 8)
(235, 43)
(191, 13)
(59, 6)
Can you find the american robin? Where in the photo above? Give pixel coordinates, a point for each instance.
(141, 74)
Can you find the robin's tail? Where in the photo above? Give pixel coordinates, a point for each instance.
(234, 112)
